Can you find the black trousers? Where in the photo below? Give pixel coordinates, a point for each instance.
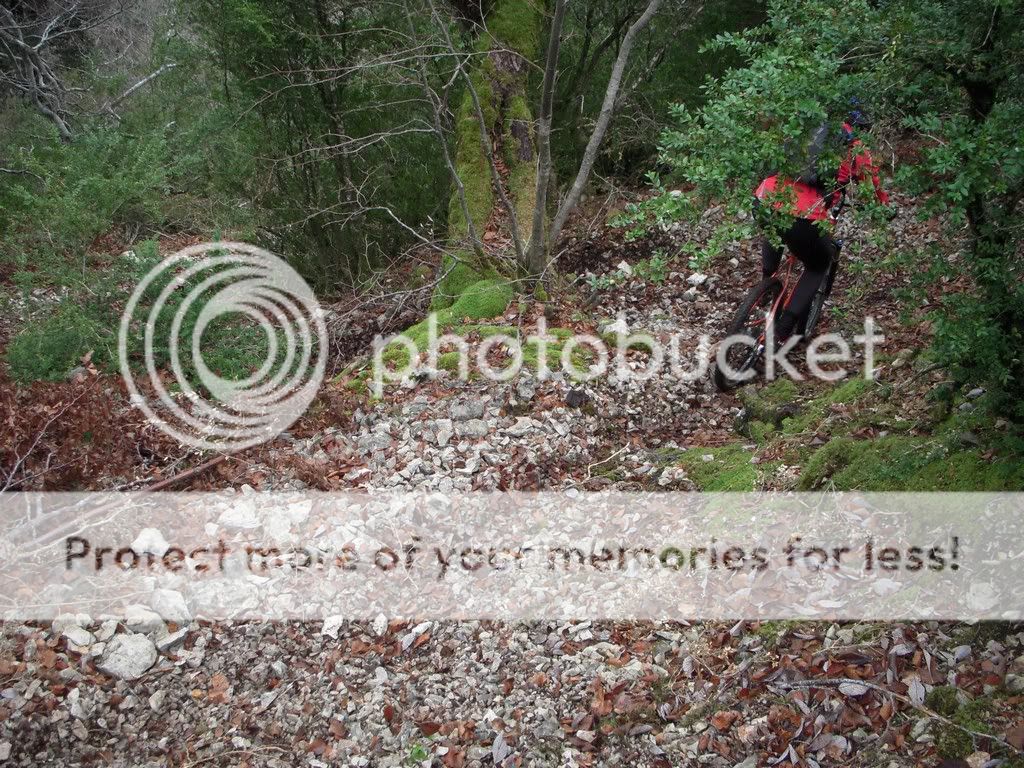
(815, 251)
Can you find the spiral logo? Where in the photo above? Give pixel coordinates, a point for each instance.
(197, 291)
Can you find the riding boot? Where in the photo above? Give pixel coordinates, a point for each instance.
(785, 324)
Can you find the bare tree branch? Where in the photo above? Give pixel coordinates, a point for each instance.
(20, 172)
(111, 106)
(607, 109)
(26, 65)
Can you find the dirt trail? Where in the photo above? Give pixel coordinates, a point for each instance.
(549, 433)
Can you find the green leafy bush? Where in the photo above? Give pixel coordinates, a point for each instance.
(52, 346)
(71, 193)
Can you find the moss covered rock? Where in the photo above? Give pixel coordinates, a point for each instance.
(459, 275)
(483, 299)
(770, 403)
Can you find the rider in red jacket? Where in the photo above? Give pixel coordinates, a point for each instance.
(810, 204)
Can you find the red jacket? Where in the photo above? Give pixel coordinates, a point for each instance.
(808, 202)
(858, 165)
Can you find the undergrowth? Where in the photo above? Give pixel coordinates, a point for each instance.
(858, 436)
(82, 327)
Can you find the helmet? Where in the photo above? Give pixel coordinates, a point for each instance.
(859, 119)
(856, 118)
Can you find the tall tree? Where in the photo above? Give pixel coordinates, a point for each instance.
(503, 148)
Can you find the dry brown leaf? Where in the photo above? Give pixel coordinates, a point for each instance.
(337, 729)
(47, 658)
(1016, 736)
(318, 747)
(428, 728)
(723, 719)
(455, 758)
(600, 706)
(885, 711)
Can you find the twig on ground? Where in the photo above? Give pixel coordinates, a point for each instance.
(835, 682)
(605, 460)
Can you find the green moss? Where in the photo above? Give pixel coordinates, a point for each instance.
(639, 345)
(777, 406)
(483, 299)
(518, 111)
(729, 470)
(516, 24)
(470, 159)
(552, 350)
(968, 471)
(760, 431)
(450, 322)
(764, 404)
(486, 331)
(848, 391)
(475, 300)
(609, 471)
(522, 184)
(882, 464)
(474, 172)
(952, 743)
(976, 714)
(449, 361)
(901, 460)
(457, 278)
(419, 276)
(522, 175)
(814, 412)
(867, 633)
(980, 633)
(357, 385)
(904, 463)
(667, 457)
(943, 700)
(483, 78)
(772, 632)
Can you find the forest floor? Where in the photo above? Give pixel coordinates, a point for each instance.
(577, 693)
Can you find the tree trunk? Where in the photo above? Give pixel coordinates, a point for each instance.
(536, 259)
(495, 146)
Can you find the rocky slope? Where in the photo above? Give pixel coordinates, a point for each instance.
(158, 688)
